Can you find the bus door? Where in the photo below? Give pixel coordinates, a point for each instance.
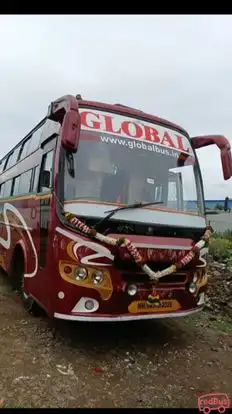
(44, 199)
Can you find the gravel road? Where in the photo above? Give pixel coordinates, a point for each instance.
(143, 364)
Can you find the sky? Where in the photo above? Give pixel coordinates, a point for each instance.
(176, 67)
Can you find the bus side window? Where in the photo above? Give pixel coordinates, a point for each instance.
(7, 163)
(35, 183)
(24, 149)
(25, 182)
(6, 191)
(1, 189)
(34, 141)
(46, 172)
(14, 158)
(16, 182)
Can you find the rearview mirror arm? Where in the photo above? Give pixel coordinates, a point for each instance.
(225, 149)
(65, 111)
(58, 108)
(206, 140)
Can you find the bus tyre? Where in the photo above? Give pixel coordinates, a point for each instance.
(17, 275)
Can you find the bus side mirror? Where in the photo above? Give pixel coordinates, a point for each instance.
(70, 131)
(65, 111)
(224, 146)
(45, 179)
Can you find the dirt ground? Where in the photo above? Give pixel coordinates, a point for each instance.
(144, 364)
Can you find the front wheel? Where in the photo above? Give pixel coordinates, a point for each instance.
(29, 303)
(17, 275)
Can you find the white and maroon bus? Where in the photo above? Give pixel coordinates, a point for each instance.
(96, 223)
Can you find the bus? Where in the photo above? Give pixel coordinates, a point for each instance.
(95, 219)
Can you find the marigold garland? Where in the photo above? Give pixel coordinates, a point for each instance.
(133, 252)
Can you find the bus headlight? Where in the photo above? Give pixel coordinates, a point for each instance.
(97, 277)
(81, 273)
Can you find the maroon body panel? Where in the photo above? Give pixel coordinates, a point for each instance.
(61, 256)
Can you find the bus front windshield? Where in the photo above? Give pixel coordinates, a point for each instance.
(112, 169)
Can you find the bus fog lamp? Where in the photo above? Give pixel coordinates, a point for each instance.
(192, 287)
(89, 305)
(81, 273)
(132, 290)
(97, 277)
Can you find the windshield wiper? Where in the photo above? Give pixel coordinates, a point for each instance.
(134, 205)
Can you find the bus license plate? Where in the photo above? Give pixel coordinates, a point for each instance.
(142, 306)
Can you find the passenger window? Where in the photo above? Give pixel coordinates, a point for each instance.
(1, 166)
(6, 192)
(46, 171)
(1, 189)
(16, 183)
(25, 182)
(7, 161)
(35, 140)
(49, 129)
(36, 179)
(24, 149)
(14, 158)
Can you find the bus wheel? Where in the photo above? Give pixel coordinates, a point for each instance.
(17, 276)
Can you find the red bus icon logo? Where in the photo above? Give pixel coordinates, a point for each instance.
(214, 401)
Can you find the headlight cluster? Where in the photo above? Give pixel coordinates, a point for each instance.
(87, 276)
(96, 277)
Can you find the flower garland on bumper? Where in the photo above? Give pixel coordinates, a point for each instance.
(133, 252)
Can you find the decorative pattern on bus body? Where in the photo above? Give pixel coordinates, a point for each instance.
(6, 243)
(157, 254)
(88, 252)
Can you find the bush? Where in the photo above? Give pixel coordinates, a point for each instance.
(221, 248)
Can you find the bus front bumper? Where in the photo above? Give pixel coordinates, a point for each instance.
(129, 317)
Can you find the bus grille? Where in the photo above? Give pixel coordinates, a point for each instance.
(143, 278)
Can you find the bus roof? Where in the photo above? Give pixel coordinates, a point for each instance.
(23, 139)
(131, 111)
(119, 108)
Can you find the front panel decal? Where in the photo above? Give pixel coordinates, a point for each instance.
(95, 252)
(110, 125)
(6, 243)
